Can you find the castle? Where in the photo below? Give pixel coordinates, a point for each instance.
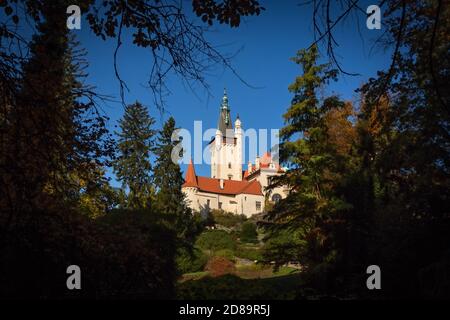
(230, 188)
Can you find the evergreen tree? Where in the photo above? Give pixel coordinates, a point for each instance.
(167, 174)
(52, 139)
(132, 166)
(168, 179)
(314, 210)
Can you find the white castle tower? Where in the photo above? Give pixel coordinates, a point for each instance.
(226, 147)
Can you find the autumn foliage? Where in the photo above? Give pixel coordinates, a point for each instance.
(219, 266)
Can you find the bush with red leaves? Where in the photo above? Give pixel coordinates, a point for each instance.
(218, 266)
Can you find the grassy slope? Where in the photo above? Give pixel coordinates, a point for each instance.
(250, 282)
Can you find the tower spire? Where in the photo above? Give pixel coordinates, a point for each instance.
(224, 115)
(225, 99)
(190, 179)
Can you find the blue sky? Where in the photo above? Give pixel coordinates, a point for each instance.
(264, 45)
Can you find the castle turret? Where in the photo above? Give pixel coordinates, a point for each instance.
(190, 179)
(190, 187)
(237, 123)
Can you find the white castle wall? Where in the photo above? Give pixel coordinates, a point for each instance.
(246, 204)
(264, 176)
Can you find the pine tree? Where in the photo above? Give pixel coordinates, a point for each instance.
(313, 209)
(132, 166)
(168, 180)
(167, 174)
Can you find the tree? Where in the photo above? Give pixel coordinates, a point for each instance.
(97, 197)
(168, 179)
(132, 165)
(315, 209)
(404, 138)
(167, 174)
(52, 154)
(52, 134)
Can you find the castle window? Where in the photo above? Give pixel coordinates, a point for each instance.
(258, 206)
(229, 165)
(208, 202)
(230, 176)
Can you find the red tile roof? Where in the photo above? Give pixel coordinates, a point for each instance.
(212, 185)
(231, 187)
(264, 162)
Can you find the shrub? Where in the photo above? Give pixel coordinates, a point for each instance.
(248, 232)
(284, 246)
(214, 240)
(218, 266)
(125, 255)
(249, 253)
(227, 219)
(226, 253)
(188, 262)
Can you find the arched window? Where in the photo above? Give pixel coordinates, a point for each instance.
(229, 165)
(276, 197)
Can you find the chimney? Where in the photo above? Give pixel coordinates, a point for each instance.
(257, 163)
(249, 167)
(221, 184)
